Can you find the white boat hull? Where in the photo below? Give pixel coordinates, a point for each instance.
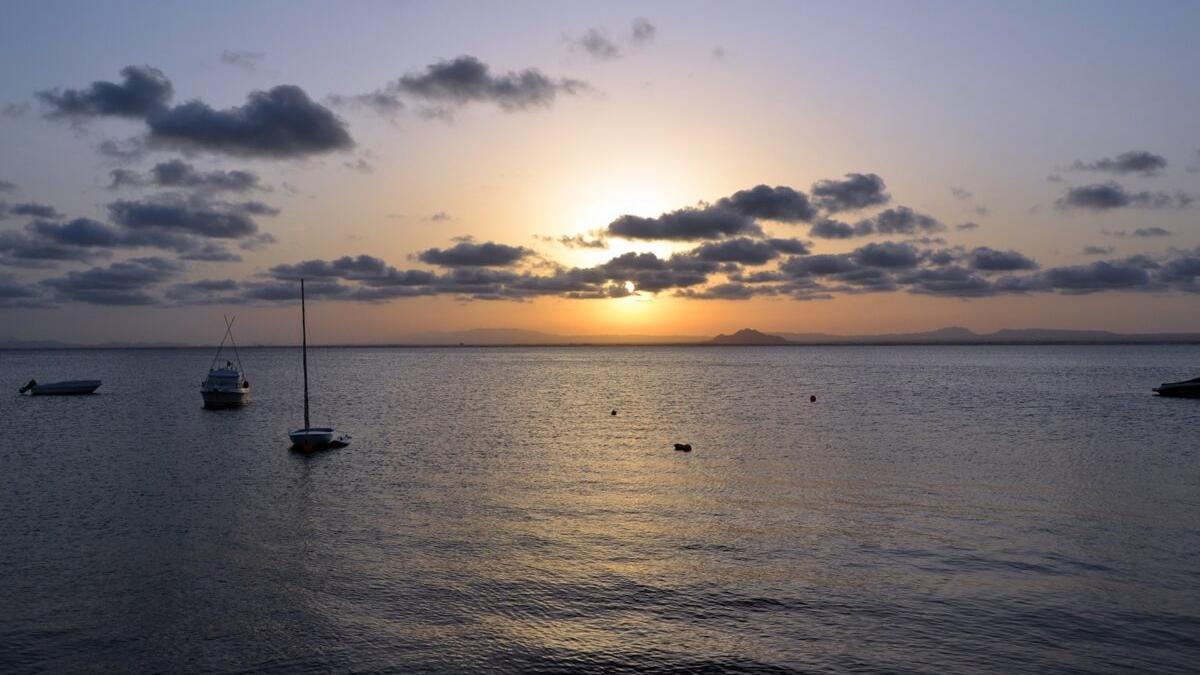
(312, 439)
(215, 398)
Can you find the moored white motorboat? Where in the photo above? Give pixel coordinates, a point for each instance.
(65, 388)
(226, 386)
(1185, 389)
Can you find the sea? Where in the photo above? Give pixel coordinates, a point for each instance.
(935, 509)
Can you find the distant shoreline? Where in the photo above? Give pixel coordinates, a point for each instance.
(787, 345)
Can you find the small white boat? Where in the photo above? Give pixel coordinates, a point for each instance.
(226, 386)
(312, 438)
(1186, 389)
(67, 388)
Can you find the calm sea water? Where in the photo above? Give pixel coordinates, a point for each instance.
(938, 509)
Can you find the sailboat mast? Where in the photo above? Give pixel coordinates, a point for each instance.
(304, 342)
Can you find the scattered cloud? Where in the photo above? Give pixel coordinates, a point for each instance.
(142, 92)
(1097, 250)
(177, 173)
(470, 254)
(962, 227)
(580, 241)
(1132, 162)
(779, 203)
(14, 110)
(466, 79)
(121, 283)
(193, 216)
(987, 259)
(827, 228)
(901, 220)
(597, 44)
(27, 209)
(688, 224)
(961, 193)
(1142, 232)
(642, 31)
(718, 53)
(855, 191)
(1107, 196)
(440, 217)
(360, 165)
(241, 58)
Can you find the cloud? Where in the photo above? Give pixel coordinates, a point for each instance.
(466, 79)
(440, 217)
(901, 220)
(177, 173)
(384, 103)
(128, 150)
(200, 217)
(1141, 232)
(887, 254)
(15, 294)
(740, 250)
(360, 165)
(687, 224)
(987, 259)
(961, 193)
(25, 249)
(1097, 250)
(1102, 275)
(642, 31)
(579, 241)
(597, 44)
(827, 228)
(469, 254)
(855, 191)
(7, 186)
(778, 203)
(966, 226)
(242, 58)
(14, 110)
(1106, 196)
(30, 209)
(121, 283)
(1134, 161)
(142, 92)
(718, 53)
(282, 122)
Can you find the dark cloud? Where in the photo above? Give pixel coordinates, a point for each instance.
(122, 283)
(987, 259)
(1103, 275)
(128, 150)
(901, 220)
(732, 290)
(778, 203)
(179, 174)
(384, 103)
(14, 294)
(950, 281)
(223, 291)
(28, 209)
(466, 79)
(242, 58)
(469, 254)
(689, 224)
(741, 250)
(143, 91)
(855, 191)
(579, 241)
(6, 186)
(642, 31)
(1097, 250)
(80, 232)
(887, 254)
(200, 217)
(1142, 232)
(210, 252)
(282, 122)
(25, 249)
(1106, 196)
(1134, 161)
(827, 228)
(596, 43)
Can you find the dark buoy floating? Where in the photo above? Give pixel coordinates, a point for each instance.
(614, 412)
(683, 447)
(812, 399)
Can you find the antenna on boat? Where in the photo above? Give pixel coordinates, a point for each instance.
(228, 335)
(236, 355)
(304, 343)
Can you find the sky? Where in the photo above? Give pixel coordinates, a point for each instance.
(596, 168)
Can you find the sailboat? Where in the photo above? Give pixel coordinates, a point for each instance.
(310, 437)
(226, 386)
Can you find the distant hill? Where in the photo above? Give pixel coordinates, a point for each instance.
(956, 335)
(514, 336)
(748, 336)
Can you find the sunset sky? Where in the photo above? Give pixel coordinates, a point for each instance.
(601, 168)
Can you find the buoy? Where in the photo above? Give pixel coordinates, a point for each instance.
(812, 399)
(683, 447)
(614, 412)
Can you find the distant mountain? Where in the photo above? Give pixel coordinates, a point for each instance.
(748, 336)
(956, 335)
(14, 343)
(513, 336)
